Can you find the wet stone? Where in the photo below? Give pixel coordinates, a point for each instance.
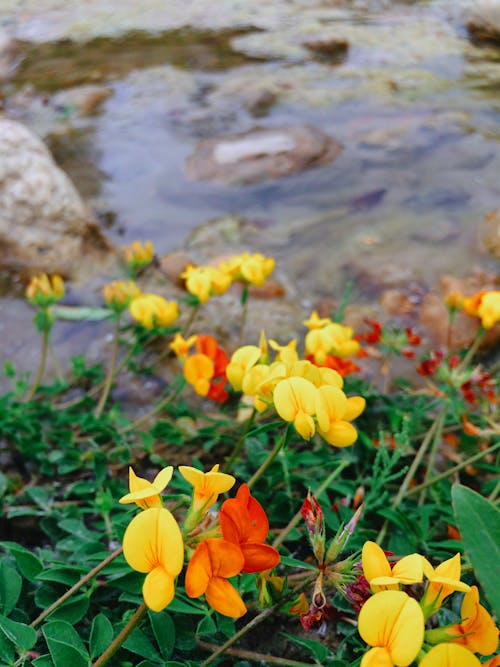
(261, 154)
(483, 22)
(438, 232)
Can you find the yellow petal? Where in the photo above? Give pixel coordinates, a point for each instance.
(304, 425)
(192, 475)
(409, 570)
(293, 395)
(163, 478)
(223, 597)
(340, 434)
(355, 406)
(153, 538)
(374, 561)
(393, 620)
(449, 655)
(377, 657)
(158, 589)
(331, 405)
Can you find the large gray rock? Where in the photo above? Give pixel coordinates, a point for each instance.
(483, 22)
(260, 154)
(44, 224)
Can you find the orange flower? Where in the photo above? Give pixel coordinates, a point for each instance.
(243, 521)
(206, 370)
(477, 629)
(207, 573)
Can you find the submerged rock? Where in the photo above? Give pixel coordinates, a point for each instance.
(44, 224)
(483, 22)
(261, 154)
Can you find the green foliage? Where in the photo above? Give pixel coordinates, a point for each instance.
(479, 524)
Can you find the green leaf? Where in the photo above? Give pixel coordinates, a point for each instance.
(181, 607)
(206, 627)
(79, 313)
(101, 635)
(10, 588)
(294, 562)
(164, 632)
(479, 524)
(22, 636)
(62, 574)
(43, 661)
(316, 649)
(29, 565)
(65, 645)
(138, 643)
(72, 611)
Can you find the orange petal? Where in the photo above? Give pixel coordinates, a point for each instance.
(224, 598)
(259, 557)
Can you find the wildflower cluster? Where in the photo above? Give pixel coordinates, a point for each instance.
(302, 393)
(217, 548)
(393, 620)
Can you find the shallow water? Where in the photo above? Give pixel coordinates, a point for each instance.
(414, 104)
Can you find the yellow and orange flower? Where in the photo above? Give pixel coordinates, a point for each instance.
(120, 293)
(207, 486)
(443, 580)
(477, 630)
(138, 254)
(44, 290)
(205, 281)
(243, 521)
(213, 562)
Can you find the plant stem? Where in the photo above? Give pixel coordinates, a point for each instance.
(121, 637)
(87, 577)
(451, 471)
(194, 312)
(436, 441)
(316, 493)
(240, 442)
(473, 349)
(493, 495)
(411, 473)
(271, 456)
(158, 408)
(111, 370)
(256, 657)
(244, 311)
(257, 620)
(41, 366)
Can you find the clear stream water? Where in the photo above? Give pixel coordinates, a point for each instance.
(414, 103)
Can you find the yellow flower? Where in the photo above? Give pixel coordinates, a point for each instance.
(295, 401)
(316, 322)
(334, 412)
(181, 346)
(380, 575)
(205, 281)
(449, 655)
(286, 353)
(249, 269)
(147, 494)
(207, 487)
(485, 305)
(120, 293)
(489, 309)
(443, 581)
(241, 361)
(138, 254)
(44, 290)
(152, 310)
(393, 624)
(153, 544)
(198, 371)
(477, 629)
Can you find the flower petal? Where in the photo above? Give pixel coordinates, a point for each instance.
(158, 589)
(340, 434)
(449, 655)
(393, 620)
(259, 557)
(153, 538)
(355, 406)
(163, 478)
(198, 572)
(409, 570)
(377, 657)
(223, 597)
(374, 561)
